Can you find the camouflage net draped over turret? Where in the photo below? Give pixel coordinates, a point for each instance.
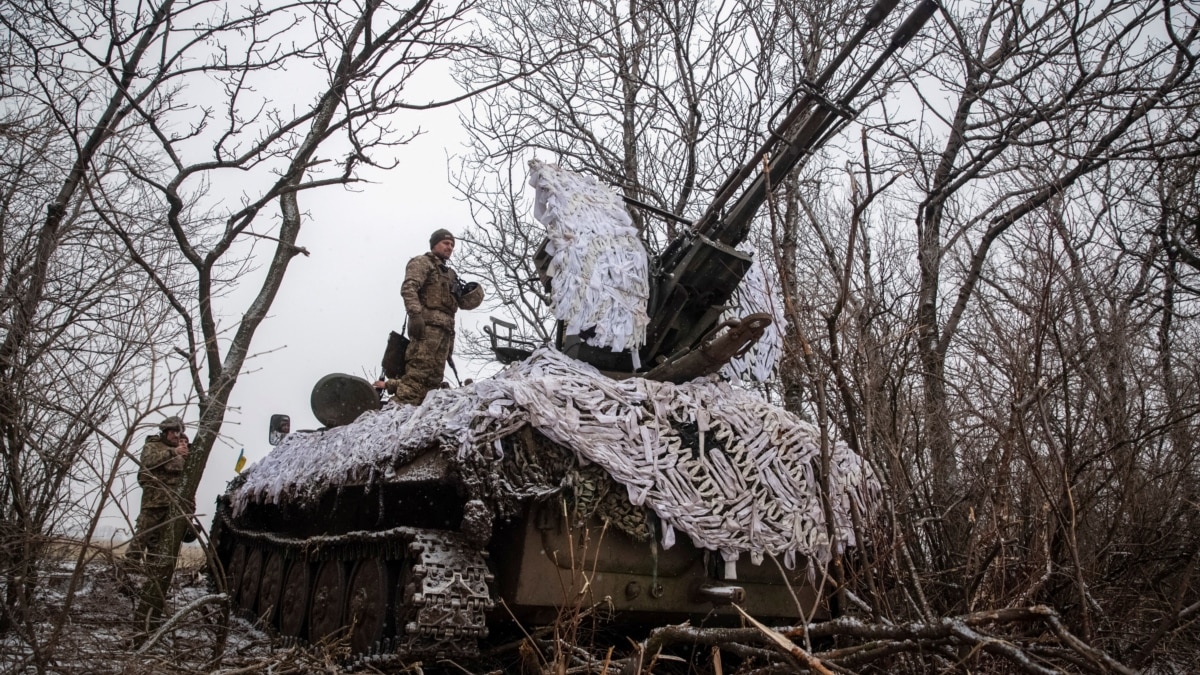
(599, 267)
(716, 463)
(753, 295)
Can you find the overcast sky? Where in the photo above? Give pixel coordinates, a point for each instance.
(336, 306)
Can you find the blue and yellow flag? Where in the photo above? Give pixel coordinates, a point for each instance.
(241, 461)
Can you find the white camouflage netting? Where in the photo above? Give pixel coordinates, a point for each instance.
(717, 463)
(599, 267)
(754, 295)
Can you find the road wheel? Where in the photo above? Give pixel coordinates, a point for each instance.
(251, 577)
(328, 601)
(293, 606)
(271, 589)
(233, 573)
(367, 604)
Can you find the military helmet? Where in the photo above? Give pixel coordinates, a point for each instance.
(171, 423)
(438, 235)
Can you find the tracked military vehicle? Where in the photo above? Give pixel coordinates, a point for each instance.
(547, 486)
(629, 479)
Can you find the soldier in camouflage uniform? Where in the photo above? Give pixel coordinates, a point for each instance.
(162, 461)
(432, 294)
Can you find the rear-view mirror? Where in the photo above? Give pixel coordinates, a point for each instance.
(281, 425)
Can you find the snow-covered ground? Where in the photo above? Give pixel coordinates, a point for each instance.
(95, 631)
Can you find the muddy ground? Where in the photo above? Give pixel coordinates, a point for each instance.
(98, 635)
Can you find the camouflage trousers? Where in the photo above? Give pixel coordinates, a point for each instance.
(151, 528)
(152, 525)
(424, 365)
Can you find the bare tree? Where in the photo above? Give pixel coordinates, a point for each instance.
(175, 97)
(1029, 433)
(70, 358)
(1071, 91)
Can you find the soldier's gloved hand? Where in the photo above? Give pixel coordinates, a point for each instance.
(416, 327)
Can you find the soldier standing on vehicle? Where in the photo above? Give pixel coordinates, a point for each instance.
(162, 461)
(432, 294)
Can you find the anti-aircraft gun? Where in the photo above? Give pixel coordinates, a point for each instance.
(698, 271)
(408, 529)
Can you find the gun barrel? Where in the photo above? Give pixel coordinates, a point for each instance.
(805, 128)
(913, 24)
(697, 274)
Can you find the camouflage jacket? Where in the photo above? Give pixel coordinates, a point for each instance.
(161, 472)
(428, 290)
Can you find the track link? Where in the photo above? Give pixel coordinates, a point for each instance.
(442, 593)
(445, 597)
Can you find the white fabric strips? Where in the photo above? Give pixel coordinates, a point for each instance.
(754, 295)
(599, 266)
(308, 462)
(714, 462)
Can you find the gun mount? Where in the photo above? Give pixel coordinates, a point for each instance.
(698, 271)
